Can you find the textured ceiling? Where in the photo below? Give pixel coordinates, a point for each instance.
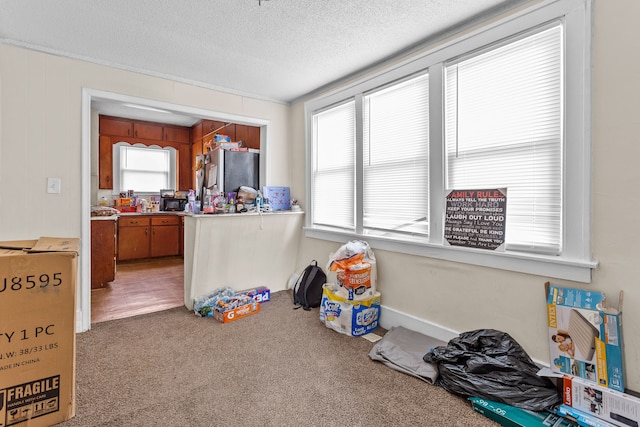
(278, 50)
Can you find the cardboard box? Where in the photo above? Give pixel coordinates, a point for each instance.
(348, 317)
(585, 337)
(37, 333)
(511, 416)
(612, 406)
(279, 198)
(259, 294)
(241, 306)
(583, 418)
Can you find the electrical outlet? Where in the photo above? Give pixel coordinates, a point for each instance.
(53, 185)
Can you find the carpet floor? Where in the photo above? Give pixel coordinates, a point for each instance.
(278, 367)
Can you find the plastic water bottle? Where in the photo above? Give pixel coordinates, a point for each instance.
(191, 201)
(259, 202)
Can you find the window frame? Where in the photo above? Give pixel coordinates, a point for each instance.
(574, 262)
(117, 172)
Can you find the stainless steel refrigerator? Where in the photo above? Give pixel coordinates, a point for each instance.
(229, 170)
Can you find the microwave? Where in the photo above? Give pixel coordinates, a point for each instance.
(172, 204)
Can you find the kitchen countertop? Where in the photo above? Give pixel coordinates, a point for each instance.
(200, 215)
(115, 217)
(104, 218)
(151, 213)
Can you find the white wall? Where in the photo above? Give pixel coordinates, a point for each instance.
(463, 297)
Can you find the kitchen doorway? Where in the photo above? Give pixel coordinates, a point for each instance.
(89, 172)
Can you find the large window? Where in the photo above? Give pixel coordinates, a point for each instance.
(334, 167)
(504, 107)
(395, 191)
(503, 116)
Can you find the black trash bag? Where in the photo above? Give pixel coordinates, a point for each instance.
(491, 365)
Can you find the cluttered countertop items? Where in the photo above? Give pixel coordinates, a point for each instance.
(246, 199)
(213, 201)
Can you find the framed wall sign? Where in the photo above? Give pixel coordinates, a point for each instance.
(476, 218)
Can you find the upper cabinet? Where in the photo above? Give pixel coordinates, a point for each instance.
(117, 129)
(214, 127)
(249, 135)
(176, 133)
(147, 130)
(196, 133)
(116, 126)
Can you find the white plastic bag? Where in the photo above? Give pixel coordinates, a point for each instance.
(355, 266)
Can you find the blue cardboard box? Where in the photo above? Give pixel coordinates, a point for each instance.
(583, 418)
(279, 197)
(259, 294)
(585, 338)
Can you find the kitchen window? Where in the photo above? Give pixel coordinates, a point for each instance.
(493, 109)
(144, 169)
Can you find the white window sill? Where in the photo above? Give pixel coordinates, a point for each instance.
(542, 265)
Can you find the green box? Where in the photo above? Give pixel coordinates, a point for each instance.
(510, 416)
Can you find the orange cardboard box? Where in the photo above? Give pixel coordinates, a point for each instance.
(37, 332)
(237, 313)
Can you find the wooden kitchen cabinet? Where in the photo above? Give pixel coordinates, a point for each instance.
(115, 126)
(147, 130)
(184, 167)
(208, 126)
(103, 252)
(105, 163)
(134, 237)
(249, 135)
(176, 134)
(148, 236)
(165, 235)
(196, 149)
(196, 133)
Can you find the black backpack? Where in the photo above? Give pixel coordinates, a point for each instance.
(307, 291)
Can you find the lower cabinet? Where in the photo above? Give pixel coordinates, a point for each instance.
(133, 237)
(103, 252)
(148, 236)
(165, 235)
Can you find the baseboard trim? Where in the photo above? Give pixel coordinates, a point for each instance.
(390, 318)
(79, 325)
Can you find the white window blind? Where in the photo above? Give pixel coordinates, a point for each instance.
(144, 169)
(503, 118)
(396, 161)
(334, 167)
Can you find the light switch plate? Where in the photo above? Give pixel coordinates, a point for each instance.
(53, 185)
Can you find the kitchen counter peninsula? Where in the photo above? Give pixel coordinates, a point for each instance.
(241, 251)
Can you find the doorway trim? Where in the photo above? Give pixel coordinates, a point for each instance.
(83, 312)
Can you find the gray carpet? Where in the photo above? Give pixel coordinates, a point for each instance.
(279, 367)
